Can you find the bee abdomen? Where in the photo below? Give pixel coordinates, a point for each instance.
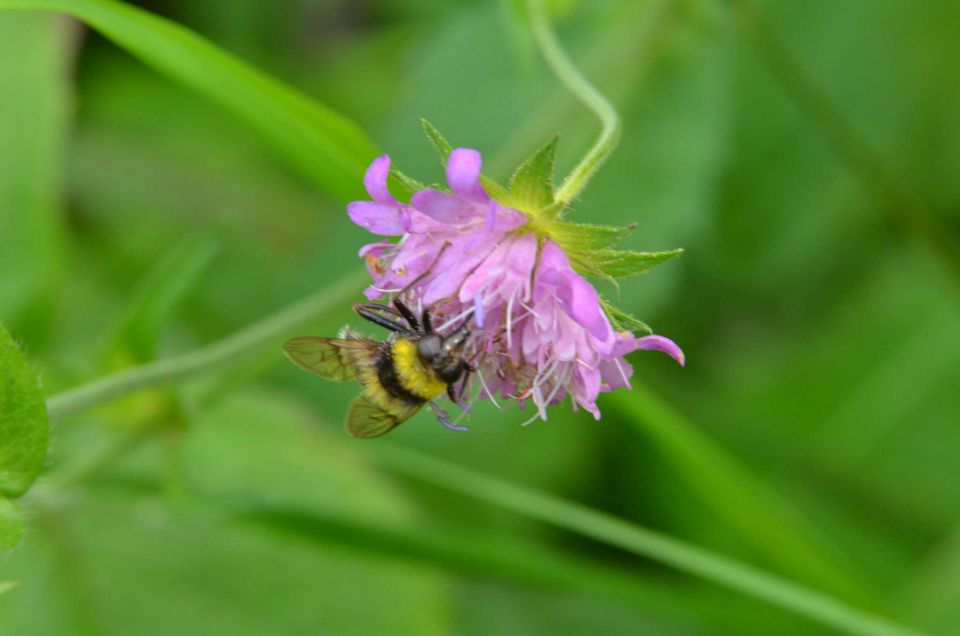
(390, 379)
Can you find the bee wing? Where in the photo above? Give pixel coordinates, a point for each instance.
(334, 359)
(365, 419)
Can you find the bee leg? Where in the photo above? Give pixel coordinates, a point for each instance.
(458, 400)
(407, 314)
(445, 419)
(427, 324)
(463, 387)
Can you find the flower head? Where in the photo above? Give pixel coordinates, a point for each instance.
(540, 331)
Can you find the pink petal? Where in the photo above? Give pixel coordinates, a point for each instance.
(452, 268)
(522, 256)
(660, 343)
(616, 373)
(565, 347)
(375, 218)
(552, 258)
(478, 311)
(585, 389)
(463, 175)
(582, 303)
(445, 208)
(419, 223)
(375, 249)
(375, 181)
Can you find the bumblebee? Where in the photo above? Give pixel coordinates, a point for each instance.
(413, 367)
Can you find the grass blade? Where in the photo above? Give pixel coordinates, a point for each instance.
(740, 498)
(34, 122)
(323, 145)
(616, 532)
(513, 561)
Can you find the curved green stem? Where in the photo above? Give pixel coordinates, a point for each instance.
(215, 356)
(610, 530)
(566, 72)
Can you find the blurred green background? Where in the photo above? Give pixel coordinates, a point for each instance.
(808, 163)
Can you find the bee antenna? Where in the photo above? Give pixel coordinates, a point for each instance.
(427, 322)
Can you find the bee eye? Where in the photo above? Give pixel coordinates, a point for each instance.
(430, 346)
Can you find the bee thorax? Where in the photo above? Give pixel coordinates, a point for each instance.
(413, 376)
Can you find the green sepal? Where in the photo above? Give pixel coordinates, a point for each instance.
(438, 141)
(583, 265)
(408, 184)
(622, 321)
(497, 191)
(532, 183)
(620, 263)
(587, 236)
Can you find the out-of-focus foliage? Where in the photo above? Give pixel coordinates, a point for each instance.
(24, 431)
(140, 219)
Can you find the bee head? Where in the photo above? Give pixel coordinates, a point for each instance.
(430, 347)
(443, 354)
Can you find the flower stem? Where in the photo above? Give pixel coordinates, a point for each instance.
(220, 354)
(567, 73)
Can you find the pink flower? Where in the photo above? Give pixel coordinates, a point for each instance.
(539, 332)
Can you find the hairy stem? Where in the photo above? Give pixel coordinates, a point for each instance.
(567, 73)
(213, 357)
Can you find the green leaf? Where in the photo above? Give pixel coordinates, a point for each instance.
(11, 528)
(326, 147)
(620, 263)
(23, 420)
(160, 293)
(622, 321)
(34, 92)
(439, 142)
(6, 586)
(532, 183)
(587, 236)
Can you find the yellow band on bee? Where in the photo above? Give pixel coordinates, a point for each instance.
(415, 376)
